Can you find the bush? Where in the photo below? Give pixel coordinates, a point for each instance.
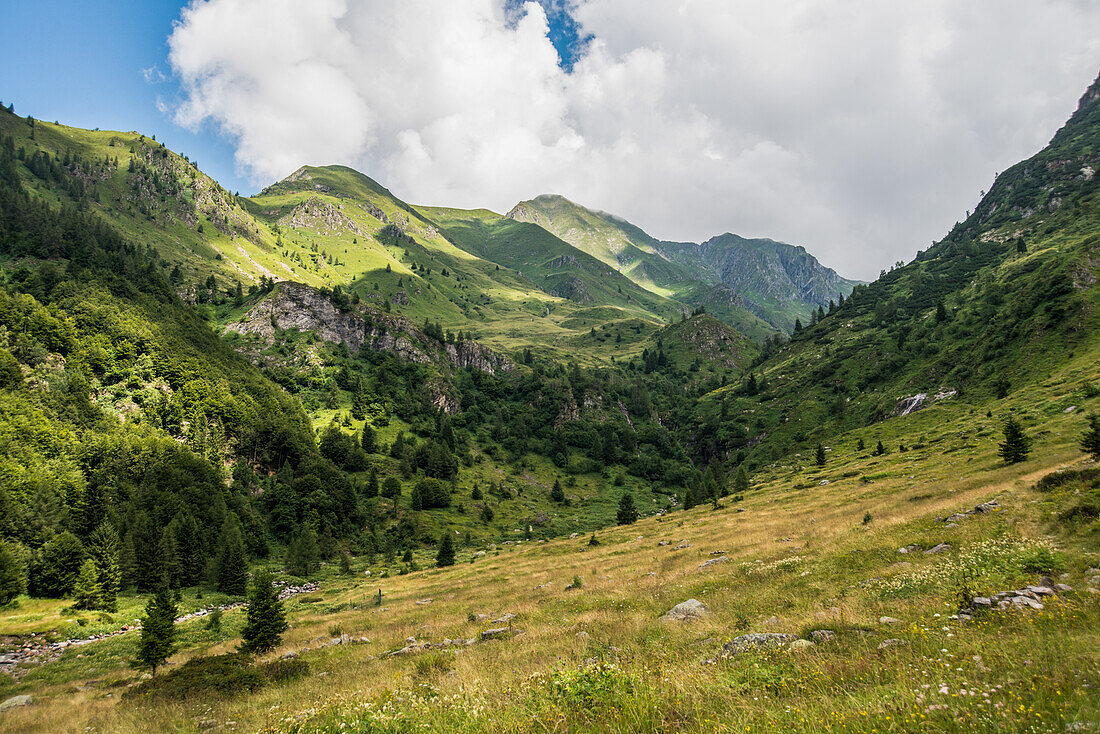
(1057, 479)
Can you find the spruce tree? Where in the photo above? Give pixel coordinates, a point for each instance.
(819, 455)
(741, 481)
(158, 630)
(368, 440)
(1016, 445)
(86, 590)
(372, 483)
(446, 555)
(103, 549)
(1090, 439)
(557, 493)
(391, 489)
(231, 565)
(12, 580)
(628, 513)
(880, 449)
(265, 620)
(303, 556)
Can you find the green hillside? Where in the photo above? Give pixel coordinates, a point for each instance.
(768, 284)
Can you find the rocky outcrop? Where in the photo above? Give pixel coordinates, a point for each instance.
(317, 214)
(294, 306)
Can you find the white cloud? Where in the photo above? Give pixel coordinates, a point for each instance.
(860, 128)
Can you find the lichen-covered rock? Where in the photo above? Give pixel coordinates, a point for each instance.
(687, 610)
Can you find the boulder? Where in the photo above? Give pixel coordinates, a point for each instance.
(686, 610)
(16, 701)
(888, 620)
(823, 635)
(756, 640)
(495, 633)
(801, 644)
(937, 549)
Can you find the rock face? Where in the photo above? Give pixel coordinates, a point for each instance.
(687, 610)
(318, 214)
(298, 306)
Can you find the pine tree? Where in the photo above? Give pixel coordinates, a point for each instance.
(391, 490)
(158, 630)
(557, 494)
(265, 619)
(231, 565)
(740, 481)
(372, 483)
(86, 590)
(446, 555)
(303, 554)
(860, 445)
(368, 440)
(819, 455)
(103, 548)
(1090, 439)
(12, 580)
(880, 449)
(1016, 445)
(628, 513)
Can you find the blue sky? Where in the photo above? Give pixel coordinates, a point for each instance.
(85, 64)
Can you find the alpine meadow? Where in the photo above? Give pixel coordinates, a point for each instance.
(323, 460)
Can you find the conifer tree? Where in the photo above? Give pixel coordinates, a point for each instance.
(628, 513)
(819, 455)
(13, 582)
(446, 554)
(557, 493)
(741, 481)
(265, 619)
(231, 566)
(880, 449)
(391, 490)
(303, 554)
(86, 590)
(372, 483)
(1090, 439)
(1016, 445)
(158, 630)
(368, 440)
(103, 549)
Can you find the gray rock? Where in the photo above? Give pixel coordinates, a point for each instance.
(888, 620)
(712, 561)
(892, 642)
(823, 635)
(686, 610)
(1063, 588)
(982, 601)
(289, 655)
(1043, 590)
(757, 640)
(495, 633)
(937, 549)
(908, 549)
(504, 618)
(16, 701)
(801, 644)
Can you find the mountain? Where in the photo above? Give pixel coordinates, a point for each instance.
(777, 282)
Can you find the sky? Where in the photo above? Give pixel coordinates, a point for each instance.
(861, 129)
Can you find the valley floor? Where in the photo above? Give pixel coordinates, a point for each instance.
(809, 549)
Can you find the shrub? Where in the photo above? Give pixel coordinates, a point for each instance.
(219, 675)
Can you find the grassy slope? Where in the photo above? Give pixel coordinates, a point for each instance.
(799, 552)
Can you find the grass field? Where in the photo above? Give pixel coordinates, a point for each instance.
(809, 548)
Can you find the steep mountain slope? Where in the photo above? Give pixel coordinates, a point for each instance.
(613, 241)
(779, 283)
(1006, 302)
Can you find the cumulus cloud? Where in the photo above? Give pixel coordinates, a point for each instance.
(859, 128)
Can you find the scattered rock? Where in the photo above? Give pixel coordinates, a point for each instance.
(888, 620)
(757, 640)
(16, 701)
(207, 723)
(801, 644)
(495, 633)
(663, 542)
(892, 642)
(937, 549)
(422, 602)
(682, 546)
(686, 610)
(713, 561)
(289, 655)
(909, 549)
(504, 618)
(823, 635)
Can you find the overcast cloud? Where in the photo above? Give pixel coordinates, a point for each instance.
(861, 129)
